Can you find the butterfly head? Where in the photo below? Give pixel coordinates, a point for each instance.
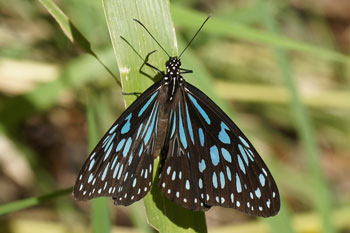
(173, 66)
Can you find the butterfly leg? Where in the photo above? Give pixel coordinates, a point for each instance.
(185, 71)
(132, 93)
(145, 62)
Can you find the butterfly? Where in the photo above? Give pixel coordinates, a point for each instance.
(206, 160)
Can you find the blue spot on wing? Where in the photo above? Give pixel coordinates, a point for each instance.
(120, 145)
(108, 152)
(228, 172)
(262, 179)
(200, 109)
(243, 153)
(105, 172)
(223, 136)
(127, 146)
(113, 129)
(202, 166)
(222, 180)
(215, 180)
(214, 155)
(126, 126)
(201, 136)
(244, 141)
(108, 142)
(240, 163)
(238, 184)
(226, 155)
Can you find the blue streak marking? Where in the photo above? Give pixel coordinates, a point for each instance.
(113, 129)
(240, 163)
(202, 166)
(138, 131)
(114, 161)
(174, 124)
(149, 120)
(90, 178)
(147, 104)
(201, 136)
(228, 172)
(105, 140)
(244, 155)
(223, 136)
(182, 131)
(227, 156)
(189, 125)
(109, 142)
(130, 159)
(91, 164)
(126, 126)
(127, 146)
(150, 129)
(116, 170)
(120, 171)
(141, 150)
(214, 155)
(238, 184)
(222, 180)
(200, 109)
(108, 152)
(245, 143)
(262, 179)
(105, 173)
(250, 154)
(120, 145)
(215, 180)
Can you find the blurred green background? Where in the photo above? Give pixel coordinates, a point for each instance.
(279, 68)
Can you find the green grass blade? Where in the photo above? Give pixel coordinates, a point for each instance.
(101, 220)
(191, 19)
(32, 201)
(72, 33)
(162, 214)
(305, 130)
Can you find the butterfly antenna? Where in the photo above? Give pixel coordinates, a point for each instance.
(152, 36)
(195, 35)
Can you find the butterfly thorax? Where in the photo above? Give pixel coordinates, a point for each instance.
(172, 76)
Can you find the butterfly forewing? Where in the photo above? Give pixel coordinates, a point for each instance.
(217, 163)
(122, 162)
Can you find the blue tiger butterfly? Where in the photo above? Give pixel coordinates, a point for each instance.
(206, 160)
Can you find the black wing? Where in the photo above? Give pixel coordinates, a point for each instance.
(209, 161)
(121, 164)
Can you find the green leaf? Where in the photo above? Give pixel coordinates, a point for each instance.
(162, 214)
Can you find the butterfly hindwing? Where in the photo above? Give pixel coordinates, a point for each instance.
(219, 166)
(121, 164)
